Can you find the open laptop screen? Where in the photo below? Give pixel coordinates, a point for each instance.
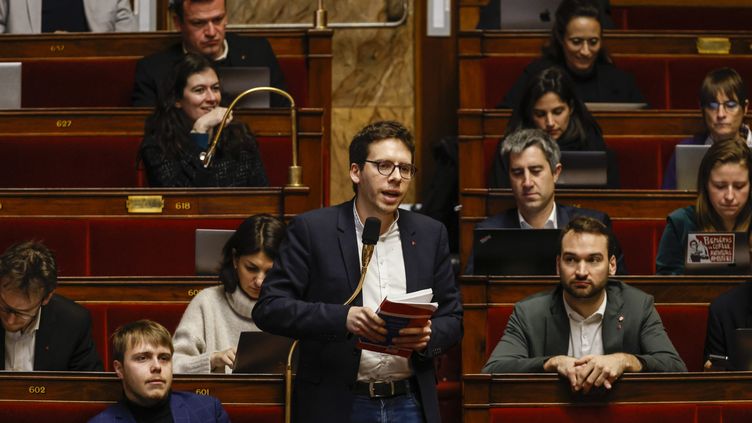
(515, 251)
(717, 253)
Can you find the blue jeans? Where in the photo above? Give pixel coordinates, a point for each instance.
(401, 408)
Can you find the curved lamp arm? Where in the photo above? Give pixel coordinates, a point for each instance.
(295, 174)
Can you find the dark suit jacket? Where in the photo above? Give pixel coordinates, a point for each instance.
(63, 341)
(186, 408)
(539, 329)
(731, 310)
(153, 70)
(316, 272)
(564, 214)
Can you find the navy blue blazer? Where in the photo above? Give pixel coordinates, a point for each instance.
(564, 214)
(316, 272)
(152, 70)
(63, 341)
(185, 406)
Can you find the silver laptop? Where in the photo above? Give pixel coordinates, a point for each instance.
(10, 85)
(237, 80)
(261, 352)
(688, 158)
(583, 169)
(528, 14)
(209, 244)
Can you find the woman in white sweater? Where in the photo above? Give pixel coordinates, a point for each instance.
(208, 332)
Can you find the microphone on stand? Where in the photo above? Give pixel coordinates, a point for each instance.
(371, 231)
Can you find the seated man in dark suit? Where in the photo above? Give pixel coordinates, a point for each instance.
(202, 28)
(532, 158)
(727, 313)
(590, 329)
(42, 330)
(143, 361)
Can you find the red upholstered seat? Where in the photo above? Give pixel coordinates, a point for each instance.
(499, 74)
(67, 238)
(686, 325)
(108, 82)
(65, 162)
(642, 159)
(147, 247)
(100, 82)
(49, 411)
(253, 414)
(99, 333)
(661, 413)
(639, 241)
(684, 17)
(276, 154)
(496, 322)
(650, 75)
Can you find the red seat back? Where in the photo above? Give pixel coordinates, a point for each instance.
(686, 325)
(639, 241)
(612, 413)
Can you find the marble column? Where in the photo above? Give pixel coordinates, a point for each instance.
(373, 70)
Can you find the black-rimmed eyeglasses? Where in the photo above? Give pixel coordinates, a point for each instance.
(23, 315)
(385, 167)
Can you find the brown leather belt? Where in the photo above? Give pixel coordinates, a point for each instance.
(385, 389)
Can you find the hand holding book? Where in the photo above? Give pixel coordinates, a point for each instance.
(407, 322)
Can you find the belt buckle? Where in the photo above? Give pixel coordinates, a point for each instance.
(373, 394)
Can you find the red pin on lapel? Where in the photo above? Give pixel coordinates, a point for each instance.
(412, 243)
(621, 319)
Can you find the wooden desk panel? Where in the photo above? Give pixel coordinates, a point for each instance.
(106, 387)
(178, 202)
(485, 392)
(285, 43)
(481, 290)
(133, 288)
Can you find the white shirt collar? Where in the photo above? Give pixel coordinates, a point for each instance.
(551, 222)
(573, 315)
(222, 57)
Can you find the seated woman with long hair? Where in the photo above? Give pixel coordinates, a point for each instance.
(550, 103)
(181, 127)
(722, 203)
(576, 44)
(209, 330)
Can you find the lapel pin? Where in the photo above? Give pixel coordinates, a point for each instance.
(412, 243)
(621, 318)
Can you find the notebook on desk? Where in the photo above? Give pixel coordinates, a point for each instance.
(209, 244)
(583, 169)
(236, 80)
(261, 352)
(688, 159)
(10, 85)
(515, 252)
(717, 253)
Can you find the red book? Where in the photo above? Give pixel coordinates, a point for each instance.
(407, 310)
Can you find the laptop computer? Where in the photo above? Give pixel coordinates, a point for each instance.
(261, 352)
(717, 253)
(688, 158)
(583, 169)
(515, 251)
(209, 244)
(528, 14)
(236, 80)
(10, 85)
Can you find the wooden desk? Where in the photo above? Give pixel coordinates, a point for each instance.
(106, 387)
(133, 288)
(705, 395)
(16, 126)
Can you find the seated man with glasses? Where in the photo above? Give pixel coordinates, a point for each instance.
(723, 98)
(42, 330)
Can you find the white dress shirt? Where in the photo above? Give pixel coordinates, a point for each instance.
(585, 333)
(385, 276)
(551, 222)
(19, 347)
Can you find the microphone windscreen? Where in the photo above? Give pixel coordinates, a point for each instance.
(371, 231)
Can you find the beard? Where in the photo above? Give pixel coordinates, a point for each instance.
(594, 291)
